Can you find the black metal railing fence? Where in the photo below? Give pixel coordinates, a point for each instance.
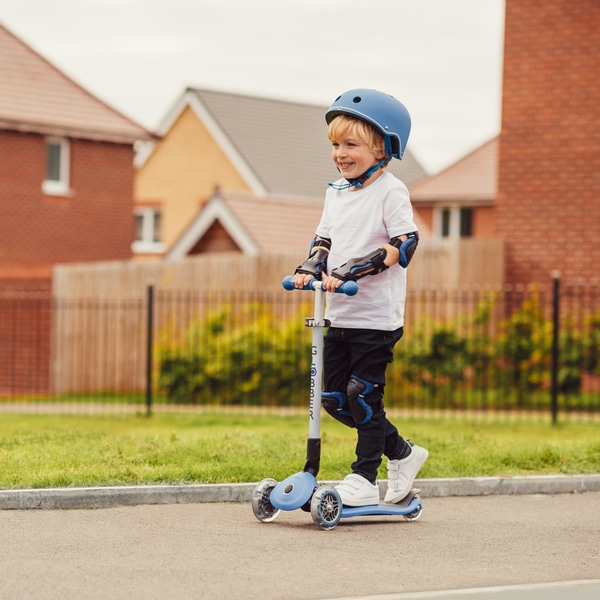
(531, 349)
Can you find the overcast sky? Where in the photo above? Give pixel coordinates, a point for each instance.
(441, 58)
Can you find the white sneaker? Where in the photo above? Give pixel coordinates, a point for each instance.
(355, 490)
(402, 474)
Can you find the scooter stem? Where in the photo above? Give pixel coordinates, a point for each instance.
(313, 446)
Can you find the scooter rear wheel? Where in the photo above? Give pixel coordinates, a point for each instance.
(261, 504)
(326, 507)
(413, 516)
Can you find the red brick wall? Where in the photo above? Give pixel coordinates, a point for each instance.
(38, 230)
(95, 223)
(548, 207)
(25, 330)
(216, 239)
(484, 222)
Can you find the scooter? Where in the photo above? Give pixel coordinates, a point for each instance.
(302, 490)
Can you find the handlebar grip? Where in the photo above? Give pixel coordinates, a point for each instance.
(350, 288)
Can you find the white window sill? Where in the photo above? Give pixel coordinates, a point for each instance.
(148, 247)
(55, 188)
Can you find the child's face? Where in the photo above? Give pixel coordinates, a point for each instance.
(353, 156)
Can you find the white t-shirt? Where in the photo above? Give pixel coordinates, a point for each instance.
(357, 223)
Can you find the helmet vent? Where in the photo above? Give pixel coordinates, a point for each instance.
(356, 99)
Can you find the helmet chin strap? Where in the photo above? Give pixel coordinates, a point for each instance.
(358, 182)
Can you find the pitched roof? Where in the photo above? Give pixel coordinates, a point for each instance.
(279, 147)
(256, 224)
(259, 225)
(37, 97)
(473, 177)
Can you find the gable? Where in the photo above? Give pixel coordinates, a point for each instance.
(216, 239)
(216, 211)
(256, 225)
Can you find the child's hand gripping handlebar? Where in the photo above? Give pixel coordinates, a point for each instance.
(350, 288)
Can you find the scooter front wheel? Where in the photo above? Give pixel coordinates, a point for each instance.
(326, 507)
(261, 504)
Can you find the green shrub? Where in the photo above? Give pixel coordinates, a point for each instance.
(245, 356)
(239, 358)
(473, 362)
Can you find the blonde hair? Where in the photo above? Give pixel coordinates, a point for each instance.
(343, 125)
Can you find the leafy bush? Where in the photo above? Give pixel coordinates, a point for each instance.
(479, 360)
(503, 365)
(237, 359)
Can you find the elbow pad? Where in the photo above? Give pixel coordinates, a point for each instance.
(316, 263)
(406, 247)
(356, 268)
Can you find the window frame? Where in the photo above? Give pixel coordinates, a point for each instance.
(147, 244)
(60, 186)
(449, 222)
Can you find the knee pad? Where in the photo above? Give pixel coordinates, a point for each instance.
(362, 410)
(336, 405)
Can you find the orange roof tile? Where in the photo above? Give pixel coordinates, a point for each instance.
(36, 96)
(275, 221)
(472, 178)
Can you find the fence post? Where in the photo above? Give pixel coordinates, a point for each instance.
(150, 336)
(555, 340)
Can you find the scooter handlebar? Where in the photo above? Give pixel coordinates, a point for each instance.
(350, 288)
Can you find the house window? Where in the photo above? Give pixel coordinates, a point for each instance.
(148, 230)
(455, 222)
(57, 167)
(466, 222)
(445, 222)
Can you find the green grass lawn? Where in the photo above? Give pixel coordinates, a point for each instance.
(215, 447)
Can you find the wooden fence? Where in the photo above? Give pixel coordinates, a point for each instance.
(438, 264)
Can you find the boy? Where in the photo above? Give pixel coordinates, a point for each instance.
(366, 231)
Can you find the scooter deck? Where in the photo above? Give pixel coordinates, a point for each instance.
(382, 509)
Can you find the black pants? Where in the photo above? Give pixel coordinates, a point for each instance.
(366, 354)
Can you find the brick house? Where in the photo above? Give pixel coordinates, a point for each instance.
(66, 169)
(66, 195)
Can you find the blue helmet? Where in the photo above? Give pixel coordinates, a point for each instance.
(386, 114)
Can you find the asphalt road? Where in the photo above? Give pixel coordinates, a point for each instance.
(219, 550)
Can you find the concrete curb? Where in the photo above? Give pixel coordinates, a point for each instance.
(107, 497)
